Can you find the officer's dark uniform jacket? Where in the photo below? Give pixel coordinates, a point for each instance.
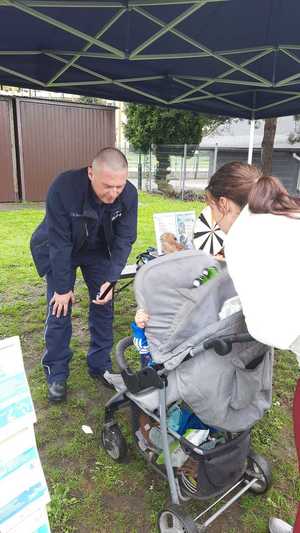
(76, 222)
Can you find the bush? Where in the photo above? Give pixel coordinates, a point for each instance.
(188, 196)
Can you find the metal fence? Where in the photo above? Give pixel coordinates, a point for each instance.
(184, 167)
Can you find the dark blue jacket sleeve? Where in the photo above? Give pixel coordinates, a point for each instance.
(60, 239)
(125, 232)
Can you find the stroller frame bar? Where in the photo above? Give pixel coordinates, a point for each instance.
(120, 400)
(167, 455)
(228, 504)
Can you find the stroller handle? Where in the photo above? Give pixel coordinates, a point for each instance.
(122, 345)
(223, 345)
(146, 378)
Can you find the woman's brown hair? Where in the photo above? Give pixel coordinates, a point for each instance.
(245, 184)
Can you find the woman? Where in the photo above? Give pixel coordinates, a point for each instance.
(262, 248)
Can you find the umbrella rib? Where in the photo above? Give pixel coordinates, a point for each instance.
(95, 4)
(79, 67)
(167, 27)
(20, 52)
(290, 78)
(151, 57)
(143, 93)
(72, 4)
(220, 80)
(23, 76)
(202, 47)
(143, 57)
(209, 95)
(191, 55)
(80, 54)
(274, 104)
(65, 27)
(105, 80)
(227, 73)
(86, 47)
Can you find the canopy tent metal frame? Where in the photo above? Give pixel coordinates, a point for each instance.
(112, 53)
(192, 91)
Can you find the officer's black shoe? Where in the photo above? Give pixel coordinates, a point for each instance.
(57, 392)
(103, 378)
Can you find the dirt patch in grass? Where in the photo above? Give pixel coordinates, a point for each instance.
(127, 504)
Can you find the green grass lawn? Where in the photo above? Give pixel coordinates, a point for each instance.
(89, 492)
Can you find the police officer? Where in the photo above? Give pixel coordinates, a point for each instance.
(90, 222)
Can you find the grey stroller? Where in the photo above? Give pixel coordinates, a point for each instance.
(209, 364)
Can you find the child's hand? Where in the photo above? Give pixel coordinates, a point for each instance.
(141, 318)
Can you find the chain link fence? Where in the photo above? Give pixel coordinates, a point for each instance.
(183, 167)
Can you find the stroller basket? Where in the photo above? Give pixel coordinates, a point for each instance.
(219, 468)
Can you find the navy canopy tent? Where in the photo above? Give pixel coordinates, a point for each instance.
(226, 57)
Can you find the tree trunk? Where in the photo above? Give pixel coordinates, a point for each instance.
(267, 145)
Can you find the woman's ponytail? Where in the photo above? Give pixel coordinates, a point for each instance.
(268, 195)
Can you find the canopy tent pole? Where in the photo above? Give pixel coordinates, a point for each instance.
(251, 141)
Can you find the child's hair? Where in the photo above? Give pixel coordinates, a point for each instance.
(245, 184)
(169, 243)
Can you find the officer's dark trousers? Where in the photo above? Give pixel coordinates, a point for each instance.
(58, 331)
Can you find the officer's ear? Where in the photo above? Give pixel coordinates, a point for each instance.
(90, 173)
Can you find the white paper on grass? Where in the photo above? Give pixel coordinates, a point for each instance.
(181, 224)
(23, 488)
(87, 429)
(16, 407)
(36, 522)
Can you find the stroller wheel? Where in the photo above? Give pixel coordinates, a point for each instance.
(114, 443)
(171, 520)
(260, 468)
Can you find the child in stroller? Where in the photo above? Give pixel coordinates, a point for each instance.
(210, 366)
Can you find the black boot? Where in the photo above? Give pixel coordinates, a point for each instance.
(57, 391)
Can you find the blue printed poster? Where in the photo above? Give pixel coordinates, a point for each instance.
(23, 489)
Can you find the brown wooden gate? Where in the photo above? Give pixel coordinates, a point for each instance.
(58, 136)
(8, 172)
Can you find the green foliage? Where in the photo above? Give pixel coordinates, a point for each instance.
(164, 128)
(60, 508)
(148, 125)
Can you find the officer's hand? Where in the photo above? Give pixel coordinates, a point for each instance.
(107, 298)
(61, 302)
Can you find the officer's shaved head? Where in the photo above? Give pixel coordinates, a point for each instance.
(112, 158)
(108, 174)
